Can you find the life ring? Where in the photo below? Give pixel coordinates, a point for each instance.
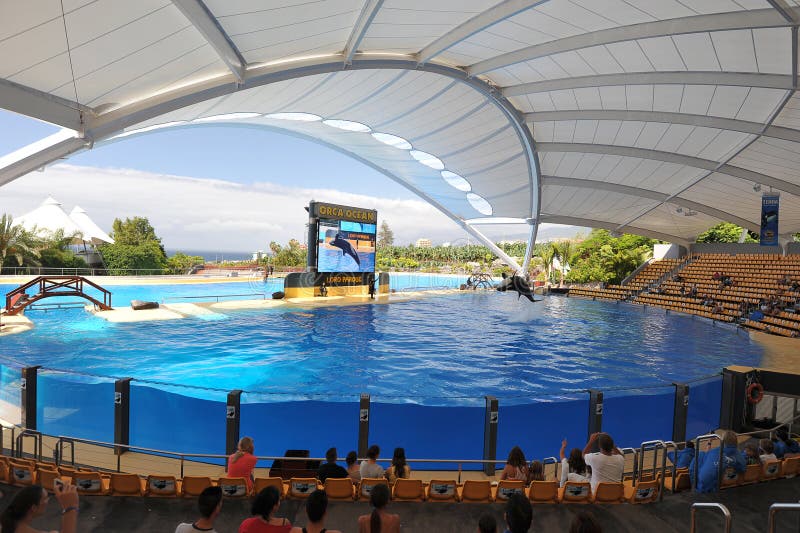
(755, 393)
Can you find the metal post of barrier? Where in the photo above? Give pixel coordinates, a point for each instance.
(363, 424)
(681, 412)
(697, 452)
(28, 390)
(490, 422)
(233, 420)
(774, 508)
(722, 508)
(595, 412)
(122, 414)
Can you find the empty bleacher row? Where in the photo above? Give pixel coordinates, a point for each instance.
(654, 271)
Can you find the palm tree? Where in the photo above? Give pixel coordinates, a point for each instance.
(563, 252)
(547, 253)
(16, 242)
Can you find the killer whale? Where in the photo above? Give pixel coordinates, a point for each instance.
(518, 284)
(344, 245)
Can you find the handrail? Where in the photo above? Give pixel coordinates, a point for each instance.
(772, 430)
(656, 445)
(217, 296)
(725, 512)
(627, 451)
(669, 444)
(774, 508)
(37, 442)
(708, 436)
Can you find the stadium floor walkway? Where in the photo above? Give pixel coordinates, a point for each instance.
(749, 506)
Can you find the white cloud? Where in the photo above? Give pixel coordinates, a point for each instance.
(206, 214)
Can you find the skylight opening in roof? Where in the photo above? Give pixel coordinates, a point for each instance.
(480, 204)
(347, 125)
(299, 117)
(456, 181)
(227, 116)
(427, 159)
(392, 140)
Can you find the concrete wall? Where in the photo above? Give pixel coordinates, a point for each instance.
(793, 248)
(734, 248)
(667, 251)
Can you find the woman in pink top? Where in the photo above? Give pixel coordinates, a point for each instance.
(242, 463)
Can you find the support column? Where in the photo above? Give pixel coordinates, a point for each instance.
(28, 391)
(232, 420)
(529, 248)
(681, 412)
(363, 424)
(490, 434)
(595, 412)
(122, 414)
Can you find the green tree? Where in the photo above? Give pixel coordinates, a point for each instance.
(54, 251)
(181, 263)
(563, 252)
(601, 257)
(16, 242)
(136, 247)
(726, 232)
(291, 255)
(385, 235)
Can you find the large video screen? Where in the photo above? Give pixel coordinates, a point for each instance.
(346, 246)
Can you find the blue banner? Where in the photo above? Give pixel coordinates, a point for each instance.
(769, 219)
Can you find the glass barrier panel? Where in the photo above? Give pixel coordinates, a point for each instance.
(634, 416)
(538, 428)
(168, 419)
(705, 402)
(10, 393)
(75, 405)
(313, 425)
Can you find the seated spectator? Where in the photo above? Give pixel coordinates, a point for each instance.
(693, 291)
(210, 505)
(585, 522)
(379, 521)
(795, 285)
(784, 280)
(264, 506)
(353, 469)
(330, 468)
(316, 509)
(783, 444)
(535, 472)
(717, 310)
(243, 462)
(487, 524)
(768, 450)
(516, 468)
(399, 468)
(519, 514)
(757, 315)
(370, 467)
(709, 463)
(685, 456)
(751, 455)
(31, 502)
(607, 464)
(574, 468)
(682, 290)
(716, 276)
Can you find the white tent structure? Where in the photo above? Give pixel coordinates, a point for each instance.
(656, 117)
(49, 217)
(91, 232)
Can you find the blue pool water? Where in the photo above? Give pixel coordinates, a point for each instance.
(445, 350)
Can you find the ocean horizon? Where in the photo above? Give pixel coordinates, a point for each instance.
(212, 256)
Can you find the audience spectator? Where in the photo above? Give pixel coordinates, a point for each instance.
(757, 315)
(210, 505)
(536, 471)
(693, 290)
(717, 310)
(685, 456)
(783, 444)
(399, 468)
(519, 513)
(330, 468)
(585, 522)
(769, 450)
(716, 276)
(316, 509)
(370, 468)
(379, 521)
(709, 463)
(31, 502)
(682, 290)
(574, 468)
(353, 468)
(264, 505)
(242, 463)
(784, 280)
(516, 468)
(751, 455)
(607, 464)
(487, 524)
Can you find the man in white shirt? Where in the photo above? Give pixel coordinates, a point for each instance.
(607, 464)
(210, 504)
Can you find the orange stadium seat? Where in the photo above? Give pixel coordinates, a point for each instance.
(507, 487)
(365, 487)
(476, 491)
(643, 492)
(340, 488)
(260, 483)
(729, 479)
(22, 473)
(791, 466)
(161, 486)
(90, 482)
(408, 490)
(442, 490)
(126, 485)
(192, 486)
(772, 470)
(301, 487)
(609, 493)
(233, 487)
(575, 492)
(46, 478)
(543, 492)
(752, 474)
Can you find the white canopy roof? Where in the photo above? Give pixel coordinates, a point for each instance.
(91, 231)
(49, 217)
(657, 117)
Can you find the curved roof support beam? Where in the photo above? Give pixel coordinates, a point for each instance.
(575, 221)
(365, 18)
(43, 106)
(680, 77)
(678, 159)
(760, 18)
(743, 126)
(785, 10)
(478, 23)
(650, 195)
(40, 154)
(206, 23)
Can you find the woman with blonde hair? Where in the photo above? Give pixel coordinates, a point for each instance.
(243, 462)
